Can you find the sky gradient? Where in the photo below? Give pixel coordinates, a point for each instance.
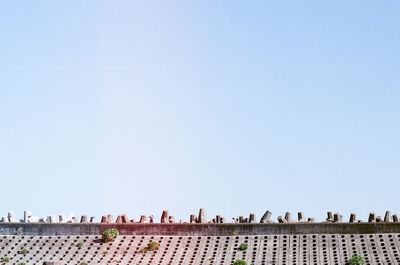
(233, 106)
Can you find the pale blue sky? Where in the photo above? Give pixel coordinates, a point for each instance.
(234, 106)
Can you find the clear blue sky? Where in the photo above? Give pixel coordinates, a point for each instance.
(234, 106)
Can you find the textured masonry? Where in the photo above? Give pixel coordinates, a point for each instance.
(186, 244)
(59, 240)
(312, 249)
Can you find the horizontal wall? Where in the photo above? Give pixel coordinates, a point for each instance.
(46, 229)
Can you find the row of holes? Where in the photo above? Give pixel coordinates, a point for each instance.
(294, 249)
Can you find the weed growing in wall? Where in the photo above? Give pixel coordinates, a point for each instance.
(356, 260)
(109, 235)
(243, 247)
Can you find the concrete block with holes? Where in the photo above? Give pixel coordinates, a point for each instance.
(192, 244)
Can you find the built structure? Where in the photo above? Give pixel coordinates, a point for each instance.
(199, 241)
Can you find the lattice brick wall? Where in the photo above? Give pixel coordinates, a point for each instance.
(324, 249)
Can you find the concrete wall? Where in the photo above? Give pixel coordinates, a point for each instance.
(47, 229)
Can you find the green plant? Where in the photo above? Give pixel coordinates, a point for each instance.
(22, 263)
(109, 234)
(83, 263)
(356, 260)
(80, 244)
(4, 259)
(243, 247)
(152, 246)
(23, 251)
(240, 262)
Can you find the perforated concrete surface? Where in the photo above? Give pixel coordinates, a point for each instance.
(312, 249)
